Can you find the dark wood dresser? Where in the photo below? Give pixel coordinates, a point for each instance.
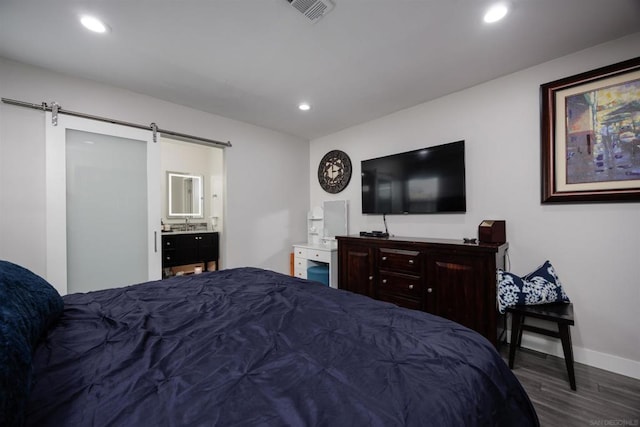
(448, 278)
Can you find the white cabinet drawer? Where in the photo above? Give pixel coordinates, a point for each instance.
(321, 256)
(300, 267)
(300, 264)
(299, 252)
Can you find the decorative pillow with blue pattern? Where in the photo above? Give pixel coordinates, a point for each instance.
(541, 286)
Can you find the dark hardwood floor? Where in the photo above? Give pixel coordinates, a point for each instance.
(602, 398)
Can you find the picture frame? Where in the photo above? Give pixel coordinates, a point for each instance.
(590, 136)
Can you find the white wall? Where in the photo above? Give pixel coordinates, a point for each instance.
(266, 171)
(594, 247)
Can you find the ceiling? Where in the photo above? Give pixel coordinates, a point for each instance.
(255, 60)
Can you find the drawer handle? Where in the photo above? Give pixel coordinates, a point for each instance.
(410, 286)
(429, 290)
(370, 277)
(168, 258)
(317, 255)
(384, 281)
(384, 258)
(168, 243)
(410, 261)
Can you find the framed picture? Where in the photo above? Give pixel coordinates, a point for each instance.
(591, 136)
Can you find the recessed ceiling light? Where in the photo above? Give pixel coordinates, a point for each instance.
(304, 106)
(496, 13)
(94, 24)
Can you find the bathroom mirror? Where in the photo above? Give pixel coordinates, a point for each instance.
(184, 195)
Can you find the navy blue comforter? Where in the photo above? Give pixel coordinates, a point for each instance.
(249, 347)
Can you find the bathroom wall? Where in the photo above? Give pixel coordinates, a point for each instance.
(195, 159)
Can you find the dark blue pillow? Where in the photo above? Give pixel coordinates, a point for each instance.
(28, 306)
(541, 286)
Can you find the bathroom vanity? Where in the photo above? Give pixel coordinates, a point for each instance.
(189, 249)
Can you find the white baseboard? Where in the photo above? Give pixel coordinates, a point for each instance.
(608, 362)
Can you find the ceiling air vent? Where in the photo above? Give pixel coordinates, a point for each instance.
(312, 9)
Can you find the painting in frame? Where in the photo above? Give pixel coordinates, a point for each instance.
(591, 136)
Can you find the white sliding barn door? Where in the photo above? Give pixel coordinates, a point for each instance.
(103, 205)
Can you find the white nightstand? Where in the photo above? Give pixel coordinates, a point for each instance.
(307, 255)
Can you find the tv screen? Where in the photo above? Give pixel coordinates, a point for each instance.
(429, 180)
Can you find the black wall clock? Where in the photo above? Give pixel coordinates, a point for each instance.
(334, 171)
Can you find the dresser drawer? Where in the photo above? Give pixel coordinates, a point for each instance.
(169, 242)
(402, 301)
(317, 255)
(300, 273)
(300, 267)
(399, 260)
(398, 283)
(299, 252)
(169, 258)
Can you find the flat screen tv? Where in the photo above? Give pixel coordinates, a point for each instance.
(425, 181)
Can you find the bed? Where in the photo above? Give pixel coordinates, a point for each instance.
(251, 347)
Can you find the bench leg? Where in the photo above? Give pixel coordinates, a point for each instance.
(567, 348)
(516, 333)
(522, 321)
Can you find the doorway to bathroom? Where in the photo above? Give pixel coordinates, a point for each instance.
(197, 172)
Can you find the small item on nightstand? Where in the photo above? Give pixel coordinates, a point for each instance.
(197, 270)
(492, 231)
